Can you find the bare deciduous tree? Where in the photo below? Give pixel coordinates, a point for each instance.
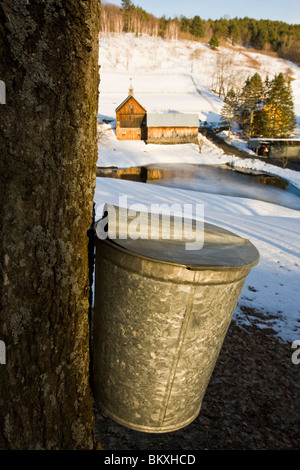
(225, 75)
(172, 31)
(194, 57)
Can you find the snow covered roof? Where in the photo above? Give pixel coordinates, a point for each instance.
(267, 139)
(172, 120)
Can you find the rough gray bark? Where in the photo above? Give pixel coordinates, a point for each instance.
(49, 63)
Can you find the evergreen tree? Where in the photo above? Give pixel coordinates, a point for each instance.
(251, 103)
(197, 28)
(261, 37)
(214, 42)
(277, 117)
(185, 24)
(260, 120)
(127, 7)
(162, 25)
(228, 112)
(235, 33)
(221, 28)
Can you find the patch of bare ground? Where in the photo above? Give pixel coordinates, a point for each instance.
(251, 61)
(252, 402)
(267, 52)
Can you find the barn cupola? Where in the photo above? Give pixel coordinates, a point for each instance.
(130, 91)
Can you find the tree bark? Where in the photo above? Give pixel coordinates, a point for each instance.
(48, 153)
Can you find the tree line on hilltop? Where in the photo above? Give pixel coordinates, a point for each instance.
(274, 36)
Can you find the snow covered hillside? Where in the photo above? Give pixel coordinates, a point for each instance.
(177, 75)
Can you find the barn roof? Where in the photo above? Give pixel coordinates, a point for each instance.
(172, 120)
(125, 101)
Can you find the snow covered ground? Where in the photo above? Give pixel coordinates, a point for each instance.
(273, 285)
(166, 78)
(176, 75)
(127, 154)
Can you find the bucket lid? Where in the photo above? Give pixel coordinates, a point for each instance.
(191, 243)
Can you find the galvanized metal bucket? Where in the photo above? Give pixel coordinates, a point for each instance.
(160, 322)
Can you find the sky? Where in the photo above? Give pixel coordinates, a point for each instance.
(276, 10)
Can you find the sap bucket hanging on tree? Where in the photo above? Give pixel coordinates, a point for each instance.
(161, 316)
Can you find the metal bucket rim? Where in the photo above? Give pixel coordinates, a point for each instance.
(202, 267)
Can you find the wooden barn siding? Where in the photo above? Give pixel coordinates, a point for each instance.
(180, 134)
(131, 120)
(131, 133)
(126, 115)
(137, 108)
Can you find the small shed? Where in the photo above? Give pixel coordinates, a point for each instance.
(172, 127)
(131, 119)
(275, 148)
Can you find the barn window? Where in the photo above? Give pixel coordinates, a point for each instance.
(131, 108)
(138, 131)
(124, 132)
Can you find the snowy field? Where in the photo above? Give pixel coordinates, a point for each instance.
(166, 78)
(176, 75)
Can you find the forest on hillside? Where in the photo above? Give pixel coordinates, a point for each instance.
(275, 37)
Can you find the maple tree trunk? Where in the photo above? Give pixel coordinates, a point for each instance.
(48, 154)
